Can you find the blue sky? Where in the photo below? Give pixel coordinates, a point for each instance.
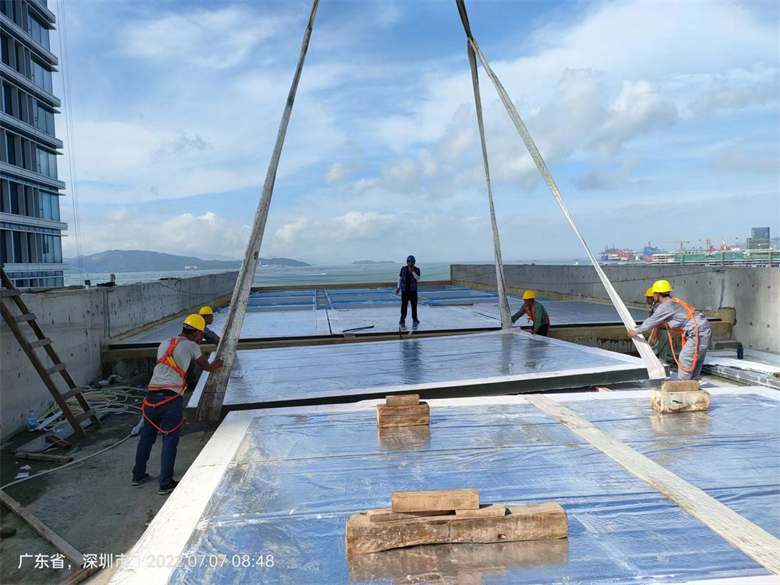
(659, 120)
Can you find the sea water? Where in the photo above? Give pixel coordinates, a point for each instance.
(301, 275)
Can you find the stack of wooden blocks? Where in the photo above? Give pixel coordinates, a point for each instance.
(403, 410)
(680, 396)
(450, 516)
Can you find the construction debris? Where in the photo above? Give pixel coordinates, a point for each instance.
(435, 501)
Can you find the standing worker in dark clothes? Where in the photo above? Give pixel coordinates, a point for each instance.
(537, 314)
(208, 337)
(163, 407)
(407, 286)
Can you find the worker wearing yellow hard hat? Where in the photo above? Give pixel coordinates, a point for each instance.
(536, 313)
(163, 407)
(659, 343)
(207, 313)
(675, 315)
(208, 335)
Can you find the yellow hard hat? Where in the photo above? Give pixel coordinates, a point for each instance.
(662, 286)
(649, 292)
(206, 311)
(196, 322)
(529, 294)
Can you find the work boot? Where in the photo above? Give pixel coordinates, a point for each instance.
(144, 479)
(164, 491)
(402, 323)
(415, 322)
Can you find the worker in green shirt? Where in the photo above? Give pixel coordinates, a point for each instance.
(536, 314)
(659, 343)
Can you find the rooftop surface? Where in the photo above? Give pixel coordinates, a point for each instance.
(365, 311)
(284, 482)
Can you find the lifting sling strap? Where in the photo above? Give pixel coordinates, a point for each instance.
(167, 360)
(691, 310)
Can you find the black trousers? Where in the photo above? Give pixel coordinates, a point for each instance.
(544, 330)
(407, 297)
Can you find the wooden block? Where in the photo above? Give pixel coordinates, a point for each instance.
(402, 400)
(540, 522)
(680, 386)
(488, 510)
(668, 402)
(387, 514)
(403, 416)
(435, 501)
(43, 457)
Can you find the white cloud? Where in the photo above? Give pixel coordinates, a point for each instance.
(129, 229)
(216, 39)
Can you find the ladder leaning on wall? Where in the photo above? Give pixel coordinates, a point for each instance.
(10, 292)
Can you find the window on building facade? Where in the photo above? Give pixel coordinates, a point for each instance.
(41, 76)
(6, 49)
(16, 252)
(10, 148)
(16, 193)
(44, 119)
(39, 32)
(8, 102)
(47, 163)
(7, 8)
(50, 206)
(21, 60)
(4, 247)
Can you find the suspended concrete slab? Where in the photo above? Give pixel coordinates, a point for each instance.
(502, 362)
(267, 499)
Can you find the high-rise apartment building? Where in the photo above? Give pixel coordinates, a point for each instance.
(30, 226)
(759, 239)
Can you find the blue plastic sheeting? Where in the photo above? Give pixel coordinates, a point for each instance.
(295, 480)
(437, 367)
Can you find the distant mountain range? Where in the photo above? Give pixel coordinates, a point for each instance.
(373, 262)
(147, 261)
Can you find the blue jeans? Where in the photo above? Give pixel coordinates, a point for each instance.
(166, 417)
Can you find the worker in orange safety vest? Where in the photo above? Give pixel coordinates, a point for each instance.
(677, 315)
(163, 407)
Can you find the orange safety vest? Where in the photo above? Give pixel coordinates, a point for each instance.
(167, 360)
(689, 316)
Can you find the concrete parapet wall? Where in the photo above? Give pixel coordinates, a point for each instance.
(753, 293)
(80, 322)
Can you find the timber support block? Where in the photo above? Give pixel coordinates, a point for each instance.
(403, 410)
(679, 401)
(519, 523)
(680, 386)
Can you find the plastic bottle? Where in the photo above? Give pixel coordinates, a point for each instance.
(32, 420)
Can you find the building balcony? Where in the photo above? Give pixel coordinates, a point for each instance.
(33, 221)
(41, 8)
(29, 86)
(13, 170)
(21, 35)
(29, 131)
(34, 267)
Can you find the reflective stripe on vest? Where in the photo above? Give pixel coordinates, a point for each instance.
(532, 315)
